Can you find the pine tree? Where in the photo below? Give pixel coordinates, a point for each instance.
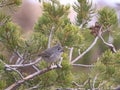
(84, 11)
(21, 68)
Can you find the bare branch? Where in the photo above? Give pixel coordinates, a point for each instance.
(34, 87)
(35, 67)
(18, 54)
(10, 68)
(50, 36)
(117, 88)
(19, 82)
(86, 82)
(25, 65)
(108, 44)
(101, 84)
(94, 81)
(80, 86)
(12, 57)
(79, 51)
(20, 59)
(75, 83)
(82, 65)
(71, 52)
(18, 73)
(88, 49)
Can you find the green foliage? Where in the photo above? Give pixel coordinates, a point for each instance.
(56, 15)
(70, 36)
(53, 14)
(35, 43)
(10, 36)
(2, 16)
(50, 77)
(43, 25)
(60, 78)
(107, 17)
(65, 76)
(54, 10)
(84, 12)
(6, 78)
(107, 57)
(7, 3)
(107, 68)
(17, 2)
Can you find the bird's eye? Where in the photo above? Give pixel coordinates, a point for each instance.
(58, 48)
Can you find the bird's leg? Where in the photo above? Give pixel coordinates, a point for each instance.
(53, 65)
(59, 63)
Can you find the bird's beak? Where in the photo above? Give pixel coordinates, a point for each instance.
(62, 50)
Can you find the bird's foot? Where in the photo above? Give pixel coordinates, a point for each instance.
(59, 65)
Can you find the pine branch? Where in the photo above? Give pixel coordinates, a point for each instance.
(10, 68)
(19, 82)
(108, 44)
(25, 65)
(87, 50)
(82, 65)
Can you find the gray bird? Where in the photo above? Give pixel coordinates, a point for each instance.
(53, 54)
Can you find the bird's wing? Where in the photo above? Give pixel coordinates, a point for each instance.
(45, 54)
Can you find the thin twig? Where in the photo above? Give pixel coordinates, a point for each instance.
(86, 82)
(80, 86)
(75, 83)
(18, 73)
(94, 81)
(101, 84)
(79, 51)
(108, 44)
(20, 59)
(35, 67)
(26, 65)
(18, 54)
(34, 87)
(10, 68)
(12, 57)
(50, 36)
(71, 52)
(82, 65)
